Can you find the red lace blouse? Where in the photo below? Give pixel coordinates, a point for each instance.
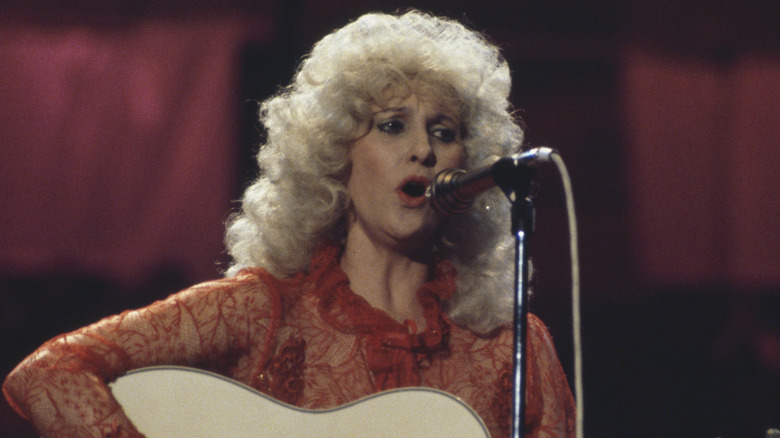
(307, 340)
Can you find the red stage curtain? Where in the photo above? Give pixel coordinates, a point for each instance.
(119, 145)
(703, 148)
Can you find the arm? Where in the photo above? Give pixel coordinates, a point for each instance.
(62, 387)
(550, 404)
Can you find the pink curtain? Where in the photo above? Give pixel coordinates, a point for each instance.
(119, 145)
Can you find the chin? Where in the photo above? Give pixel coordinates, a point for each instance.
(421, 237)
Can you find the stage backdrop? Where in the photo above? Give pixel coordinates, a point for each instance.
(703, 149)
(119, 144)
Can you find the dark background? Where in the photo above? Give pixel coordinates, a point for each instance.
(126, 134)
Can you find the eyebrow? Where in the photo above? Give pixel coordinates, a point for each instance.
(438, 117)
(441, 117)
(399, 109)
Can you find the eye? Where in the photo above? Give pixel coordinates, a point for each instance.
(446, 135)
(393, 126)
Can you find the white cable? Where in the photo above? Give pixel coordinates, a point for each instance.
(575, 292)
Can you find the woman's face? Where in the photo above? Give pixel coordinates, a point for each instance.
(409, 141)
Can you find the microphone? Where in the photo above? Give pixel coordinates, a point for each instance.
(454, 190)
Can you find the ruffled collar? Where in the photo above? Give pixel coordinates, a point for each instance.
(395, 353)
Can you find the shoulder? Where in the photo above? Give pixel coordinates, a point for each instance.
(252, 295)
(540, 341)
(247, 285)
(550, 405)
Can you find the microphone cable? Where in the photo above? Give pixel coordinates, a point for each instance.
(575, 292)
(453, 192)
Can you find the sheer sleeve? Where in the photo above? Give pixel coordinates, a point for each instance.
(550, 404)
(62, 387)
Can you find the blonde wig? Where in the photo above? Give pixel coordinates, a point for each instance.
(300, 196)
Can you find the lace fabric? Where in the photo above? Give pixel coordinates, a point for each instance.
(307, 340)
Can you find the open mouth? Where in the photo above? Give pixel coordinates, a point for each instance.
(414, 189)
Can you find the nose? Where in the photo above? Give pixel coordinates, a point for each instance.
(422, 150)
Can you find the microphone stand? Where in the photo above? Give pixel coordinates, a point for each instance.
(514, 179)
(453, 192)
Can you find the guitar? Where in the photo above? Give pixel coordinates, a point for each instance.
(187, 402)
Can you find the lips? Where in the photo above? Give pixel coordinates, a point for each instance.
(412, 190)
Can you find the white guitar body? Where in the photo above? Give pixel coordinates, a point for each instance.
(186, 402)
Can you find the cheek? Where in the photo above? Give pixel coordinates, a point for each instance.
(454, 157)
(370, 160)
(366, 164)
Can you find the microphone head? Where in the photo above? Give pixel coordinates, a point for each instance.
(444, 196)
(453, 190)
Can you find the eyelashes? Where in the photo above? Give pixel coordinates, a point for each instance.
(394, 126)
(441, 132)
(446, 135)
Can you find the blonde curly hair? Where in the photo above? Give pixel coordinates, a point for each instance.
(300, 197)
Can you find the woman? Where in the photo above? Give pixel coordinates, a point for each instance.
(344, 281)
